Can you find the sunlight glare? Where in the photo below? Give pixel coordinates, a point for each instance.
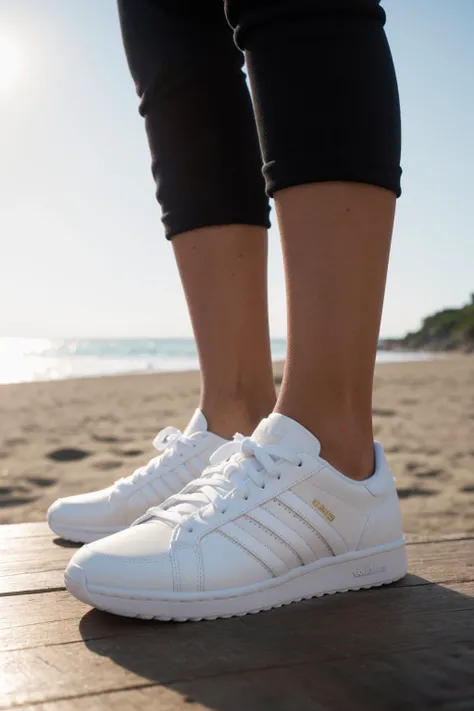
(10, 63)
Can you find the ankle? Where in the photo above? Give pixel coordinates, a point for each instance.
(353, 456)
(226, 417)
(346, 439)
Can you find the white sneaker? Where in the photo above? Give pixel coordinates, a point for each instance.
(278, 524)
(182, 457)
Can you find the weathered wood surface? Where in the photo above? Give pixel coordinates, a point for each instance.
(405, 646)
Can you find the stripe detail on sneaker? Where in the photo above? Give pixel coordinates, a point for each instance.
(265, 555)
(185, 559)
(290, 527)
(335, 543)
(149, 493)
(162, 488)
(272, 540)
(316, 544)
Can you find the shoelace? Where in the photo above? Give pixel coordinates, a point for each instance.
(234, 467)
(168, 443)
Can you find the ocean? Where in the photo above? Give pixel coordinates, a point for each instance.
(32, 359)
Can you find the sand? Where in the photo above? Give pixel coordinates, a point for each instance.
(71, 436)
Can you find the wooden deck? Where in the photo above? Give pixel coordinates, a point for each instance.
(409, 646)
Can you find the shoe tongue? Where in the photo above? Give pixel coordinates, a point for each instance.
(197, 423)
(282, 430)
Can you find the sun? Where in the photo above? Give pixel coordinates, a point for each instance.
(11, 62)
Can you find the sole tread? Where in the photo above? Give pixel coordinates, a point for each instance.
(160, 618)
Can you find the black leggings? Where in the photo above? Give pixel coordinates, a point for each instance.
(325, 101)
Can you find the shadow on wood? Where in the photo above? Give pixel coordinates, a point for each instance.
(409, 646)
(406, 646)
(64, 543)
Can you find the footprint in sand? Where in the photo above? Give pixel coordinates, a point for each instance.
(109, 439)
(25, 491)
(408, 492)
(418, 469)
(468, 489)
(15, 495)
(429, 474)
(128, 452)
(14, 441)
(40, 481)
(106, 465)
(380, 412)
(67, 454)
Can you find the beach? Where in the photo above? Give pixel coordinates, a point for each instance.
(69, 436)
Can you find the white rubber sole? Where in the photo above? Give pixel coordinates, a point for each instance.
(360, 569)
(82, 535)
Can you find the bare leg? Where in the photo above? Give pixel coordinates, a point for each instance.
(207, 164)
(223, 271)
(326, 102)
(336, 243)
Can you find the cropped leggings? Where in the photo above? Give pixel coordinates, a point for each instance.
(325, 101)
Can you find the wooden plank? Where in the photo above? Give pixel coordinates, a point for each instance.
(410, 645)
(37, 543)
(32, 564)
(418, 680)
(48, 558)
(416, 539)
(339, 686)
(42, 566)
(35, 582)
(28, 621)
(12, 531)
(446, 561)
(154, 698)
(115, 653)
(67, 671)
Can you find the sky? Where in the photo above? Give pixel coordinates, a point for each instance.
(82, 251)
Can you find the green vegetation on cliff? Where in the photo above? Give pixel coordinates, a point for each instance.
(451, 329)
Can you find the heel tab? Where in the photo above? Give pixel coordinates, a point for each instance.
(382, 481)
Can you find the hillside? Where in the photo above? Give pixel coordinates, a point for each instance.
(447, 330)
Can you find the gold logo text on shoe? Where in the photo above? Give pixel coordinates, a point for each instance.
(321, 507)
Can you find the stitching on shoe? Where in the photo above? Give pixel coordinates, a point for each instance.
(175, 571)
(365, 530)
(292, 513)
(274, 535)
(308, 525)
(199, 568)
(236, 523)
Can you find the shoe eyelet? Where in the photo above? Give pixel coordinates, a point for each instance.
(279, 477)
(246, 498)
(300, 463)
